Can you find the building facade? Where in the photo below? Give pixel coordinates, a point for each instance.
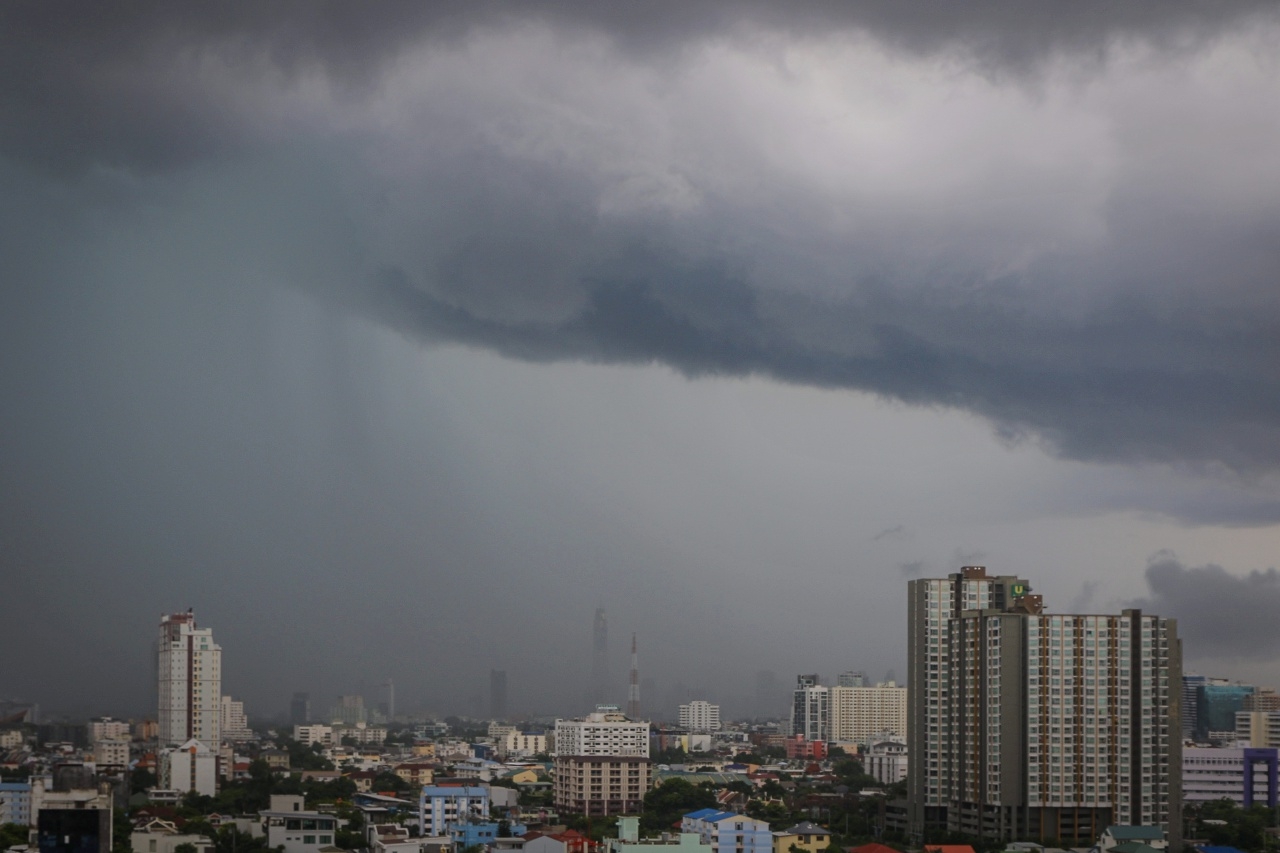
(1028, 725)
(1258, 728)
(189, 767)
(189, 669)
(15, 803)
(728, 832)
(601, 764)
(700, 716)
(858, 713)
(886, 758)
(1246, 776)
(1217, 702)
(232, 721)
(811, 709)
(441, 807)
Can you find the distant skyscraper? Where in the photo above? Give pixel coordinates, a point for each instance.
(350, 710)
(498, 694)
(300, 709)
(1035, 726)
(768, 693)
(189, 682)
(851, 679)
(600, 659)
(389, 702)
(633, 684)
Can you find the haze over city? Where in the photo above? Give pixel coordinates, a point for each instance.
(396, 339)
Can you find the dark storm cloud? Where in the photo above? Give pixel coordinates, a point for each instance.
(1220, 615)
(1173, 361)
(125, 84)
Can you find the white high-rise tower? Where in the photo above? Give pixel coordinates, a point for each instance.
(190, 682)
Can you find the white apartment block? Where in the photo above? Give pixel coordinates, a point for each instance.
(515, 744)
(190, 682)
(360, 733)
(700, 716)
(313, 734)
(233, 722)
(1215, 773)
(189, 767)
(858, 713)
(1027, 725)
(886, 758)
(605, 732)
(602, 763)
(106, 728)
(110, 751)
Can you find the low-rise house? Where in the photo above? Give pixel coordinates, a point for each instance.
(163, 836)
(390, 838)
(727, 832)
(569, 841)
(288, 824)
(629, 840)
(479, 832)
(1114, 836)
(416, 772)
(804, 837)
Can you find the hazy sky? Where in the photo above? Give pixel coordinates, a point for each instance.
(396, 338)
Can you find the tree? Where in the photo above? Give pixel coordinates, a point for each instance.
(185, 847)
(670, 801)
(12, 834)
(388, 781)
(140, 779)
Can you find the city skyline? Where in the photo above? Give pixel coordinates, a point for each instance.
(727, 319)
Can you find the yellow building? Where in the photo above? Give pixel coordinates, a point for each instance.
(804, 837)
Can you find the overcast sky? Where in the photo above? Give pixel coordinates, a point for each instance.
(396, 338)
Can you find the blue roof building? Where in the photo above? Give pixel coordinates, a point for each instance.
(729, 832)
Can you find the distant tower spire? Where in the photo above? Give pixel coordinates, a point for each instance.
(633, 690)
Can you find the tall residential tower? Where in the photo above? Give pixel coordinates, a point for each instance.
(1028, 725)
(189, 685)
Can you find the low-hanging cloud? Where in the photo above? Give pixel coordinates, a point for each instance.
(1220, 615)
(578, 182)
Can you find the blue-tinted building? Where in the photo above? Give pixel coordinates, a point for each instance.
(728, 832)
(480, 832)
(1216, 706)
(15, 803)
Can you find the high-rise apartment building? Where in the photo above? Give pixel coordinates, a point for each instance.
(700, 716)
(602, 763)
(811, 709)
(1028, 725)
(858, 713)
(189, 670)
